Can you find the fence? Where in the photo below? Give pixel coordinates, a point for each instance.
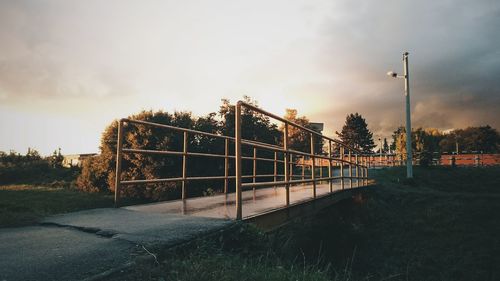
(463, 159)
(282, 154)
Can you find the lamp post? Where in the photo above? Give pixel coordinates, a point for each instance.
(380, 151)
(406, 76)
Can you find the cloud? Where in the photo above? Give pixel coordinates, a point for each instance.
(454, 61)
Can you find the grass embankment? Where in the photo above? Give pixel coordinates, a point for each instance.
(31, 192)
(22, 205)
(443, 225)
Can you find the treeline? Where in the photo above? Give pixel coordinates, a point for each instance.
(98, 172)
(32, 168)
(428, 143)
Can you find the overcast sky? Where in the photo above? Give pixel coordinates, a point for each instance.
(68, 68)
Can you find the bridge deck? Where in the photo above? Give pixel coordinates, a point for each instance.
(255, 202)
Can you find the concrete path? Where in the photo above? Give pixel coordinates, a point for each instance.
(83, 245)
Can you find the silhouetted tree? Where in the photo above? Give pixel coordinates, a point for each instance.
(355, 133)
(425, 144)
(98, 172)
(478, 139)
(255, 127)
(56, 159)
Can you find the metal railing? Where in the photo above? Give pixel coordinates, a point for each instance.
(347, 156)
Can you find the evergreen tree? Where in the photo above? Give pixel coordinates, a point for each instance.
(385, 146)
(356, 134)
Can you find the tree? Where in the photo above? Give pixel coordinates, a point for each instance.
(98, 173)
(56, 159)
(254, 126)
(472, 139)
(385, 146)
(299, 139)
(355, 133)
(424, 143)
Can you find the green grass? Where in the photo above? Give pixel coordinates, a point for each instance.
(442, 225)
(26, 204)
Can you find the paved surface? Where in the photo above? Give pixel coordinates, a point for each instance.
(80, 245)
(254, 201)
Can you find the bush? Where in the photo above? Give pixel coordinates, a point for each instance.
(94, 176)
(37, 172)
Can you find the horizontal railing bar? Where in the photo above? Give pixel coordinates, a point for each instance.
(263, 144)
(151, 181)
(148, 151)
(179, 153)
(269, 183)
(260, 159)
(174, 128)
(276, 183)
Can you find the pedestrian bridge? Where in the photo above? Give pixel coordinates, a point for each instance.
(257, 179)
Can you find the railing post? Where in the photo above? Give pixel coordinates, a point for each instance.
(366, 173)
(357, 170)
(350, 169)
(320, 161)
(254, 165)
(119, 147)
(313, 166)
(291, 166)
(287, 178)
(226, 165)
(342, 167)
(275, 167)
(237, 149)
(303, 168)
(362, 169)
(330, 181)
(184, 165)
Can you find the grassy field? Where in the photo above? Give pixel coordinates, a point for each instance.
(31, 191)
(26, 204)
(443, 225)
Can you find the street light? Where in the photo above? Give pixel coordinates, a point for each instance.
(406, 76)
(380, 151)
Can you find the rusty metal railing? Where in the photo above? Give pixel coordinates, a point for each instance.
(347, 156)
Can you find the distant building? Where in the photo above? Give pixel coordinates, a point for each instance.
(76, 160)
(317, 127)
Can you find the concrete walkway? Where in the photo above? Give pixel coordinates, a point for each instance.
(84, 245)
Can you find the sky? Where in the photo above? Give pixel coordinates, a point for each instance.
(69, 68)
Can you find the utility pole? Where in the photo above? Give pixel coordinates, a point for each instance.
(406, 76)
(409, 156)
